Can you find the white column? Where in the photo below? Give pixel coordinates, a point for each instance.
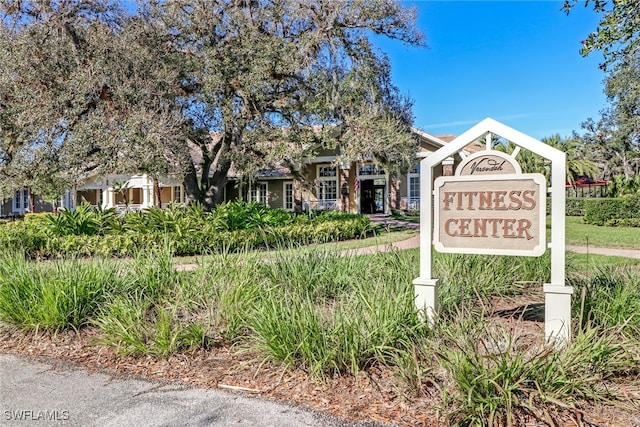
(557, 296)
(108, 198)
(426, 286)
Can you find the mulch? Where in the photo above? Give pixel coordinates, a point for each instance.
(375, 395)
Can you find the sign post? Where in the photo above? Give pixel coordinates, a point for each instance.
(490, 207)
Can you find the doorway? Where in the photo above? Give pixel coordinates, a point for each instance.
(372, 196)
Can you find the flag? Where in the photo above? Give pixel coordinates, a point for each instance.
(356, 184)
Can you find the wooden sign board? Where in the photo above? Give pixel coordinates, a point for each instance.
(490, 214)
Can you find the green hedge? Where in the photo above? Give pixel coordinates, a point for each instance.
(618, 211)
(36, 243)
(574, 206)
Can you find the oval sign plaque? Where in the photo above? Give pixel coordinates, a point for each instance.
(488, 163)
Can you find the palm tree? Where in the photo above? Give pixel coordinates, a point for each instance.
(577, 166)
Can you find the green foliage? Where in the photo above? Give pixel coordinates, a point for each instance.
(240, 215)
(87, 232)
(469, 281)
(610, 298)
(611, 211)
(624, 186)
(148, 317)
(83, 220)
(574, 206)
(137, 327)
(330, 314)
(499, 378)
(54, 297)
(312, 318)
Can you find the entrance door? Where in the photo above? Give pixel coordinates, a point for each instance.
(378, 198)
(372, 195)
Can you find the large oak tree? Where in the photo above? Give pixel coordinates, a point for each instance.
(194, 87)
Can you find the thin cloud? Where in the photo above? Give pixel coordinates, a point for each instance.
(451, 124)
(476, 121)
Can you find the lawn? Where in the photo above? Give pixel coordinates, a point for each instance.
(580, 234)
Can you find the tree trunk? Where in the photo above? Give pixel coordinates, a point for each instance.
(157, 202)
(206, 190)
(32, 201)
(191, 187)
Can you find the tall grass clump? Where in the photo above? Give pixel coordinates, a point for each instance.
(157, 314)
(470, 280)
(610, 298)
(311, 318)
(54, 296)
(496, 375)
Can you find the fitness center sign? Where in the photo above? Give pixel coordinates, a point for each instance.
(490, 207)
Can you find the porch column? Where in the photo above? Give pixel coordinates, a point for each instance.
(447, 166)
(147, 197)
(108, 196)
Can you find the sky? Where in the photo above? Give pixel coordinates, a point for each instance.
(517, 62)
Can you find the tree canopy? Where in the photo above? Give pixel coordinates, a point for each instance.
(614, 139)
(190, 88)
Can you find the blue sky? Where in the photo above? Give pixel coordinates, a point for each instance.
(517, 62)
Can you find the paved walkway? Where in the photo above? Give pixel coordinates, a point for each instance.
(36, 393)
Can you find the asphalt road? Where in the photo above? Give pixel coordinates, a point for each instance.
(37, 393)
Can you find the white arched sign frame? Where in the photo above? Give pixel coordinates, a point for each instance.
(557, 294)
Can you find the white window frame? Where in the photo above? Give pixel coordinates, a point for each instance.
(288, 199)
(179, 197)
(258, 192)
(414, 173)
(323, 201)
(20, 201)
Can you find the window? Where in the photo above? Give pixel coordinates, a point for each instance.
(258, 193)
(288, 196)
(370, 169)
(178, 194)
(414, 187)
(327, 187)
(327, 171)
(328, 190)
(21, 201)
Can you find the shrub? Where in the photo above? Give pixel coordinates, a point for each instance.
(311, 317)
(471, 280)
(575, 206)
(603, 211)
(499, 378)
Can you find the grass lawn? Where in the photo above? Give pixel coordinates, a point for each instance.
(580, 234)
(381, 238)
(592, 263)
